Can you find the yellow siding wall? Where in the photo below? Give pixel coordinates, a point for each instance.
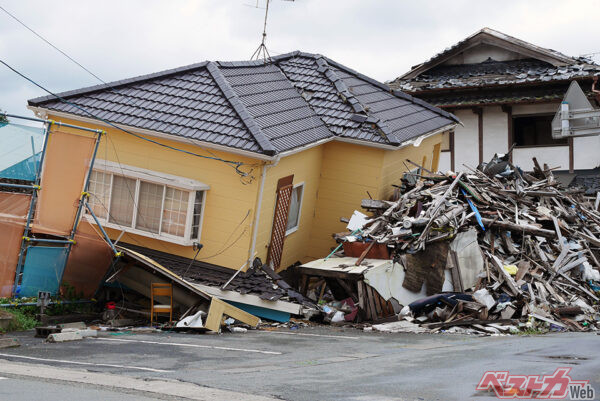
(394, 164)
(348, 172)
(228, 200)
(306, 168)
(336, 178)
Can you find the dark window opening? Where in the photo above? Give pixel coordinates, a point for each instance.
(535, 131)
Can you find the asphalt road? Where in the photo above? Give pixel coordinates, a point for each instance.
(326, 363)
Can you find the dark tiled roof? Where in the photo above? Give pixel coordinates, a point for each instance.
(490, 73)
(254, 282)
(400, 118)
(275, 105)
(295, 100)
(536, 65)
(553, 92)
(330, 99)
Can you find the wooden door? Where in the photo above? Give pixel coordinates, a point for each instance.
(280, 218)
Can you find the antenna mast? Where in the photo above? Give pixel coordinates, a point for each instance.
(262, 48)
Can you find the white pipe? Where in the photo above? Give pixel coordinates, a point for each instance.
(263, 176)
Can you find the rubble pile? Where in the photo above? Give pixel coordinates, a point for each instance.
(522, 252)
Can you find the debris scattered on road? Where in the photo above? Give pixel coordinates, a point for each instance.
(486, 251)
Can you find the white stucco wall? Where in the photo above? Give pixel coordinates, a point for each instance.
(495, 132)
(553, 156)
(495, 140)
(466, 141)
(481, 53)
(586, 152)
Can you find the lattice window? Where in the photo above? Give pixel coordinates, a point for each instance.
(280, 221)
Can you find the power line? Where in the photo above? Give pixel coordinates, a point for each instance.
(89, 113)
(234, 165)
(50, 44)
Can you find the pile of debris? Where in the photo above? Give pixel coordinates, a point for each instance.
(520, 251)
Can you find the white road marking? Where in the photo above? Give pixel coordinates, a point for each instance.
(3, 378)
(256, 351)
(309, 335)
(84, 363)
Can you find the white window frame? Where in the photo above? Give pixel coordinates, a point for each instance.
(295, 228)
(167, 180)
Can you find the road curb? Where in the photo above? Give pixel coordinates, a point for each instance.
(158, 386)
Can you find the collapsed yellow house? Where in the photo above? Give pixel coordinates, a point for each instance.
(247, 159)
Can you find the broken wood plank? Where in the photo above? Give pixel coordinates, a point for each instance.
(218, 309)
(507, 277)
(542, 232)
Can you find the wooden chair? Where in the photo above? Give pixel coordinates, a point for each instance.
(161, 290)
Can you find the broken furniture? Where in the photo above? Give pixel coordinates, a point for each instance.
(161, 290)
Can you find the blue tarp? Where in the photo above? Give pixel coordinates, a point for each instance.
(20, 148)
(43, 270)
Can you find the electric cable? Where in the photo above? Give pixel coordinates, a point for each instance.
(243, 175)
(237, 164)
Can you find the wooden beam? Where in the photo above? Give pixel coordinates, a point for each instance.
(571, 156)
(371, 300)
(436, 157)
(542, 232)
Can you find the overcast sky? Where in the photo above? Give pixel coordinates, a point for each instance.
(119, 39)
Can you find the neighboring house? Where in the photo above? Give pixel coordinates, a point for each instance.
(505, 91)
(313, 136)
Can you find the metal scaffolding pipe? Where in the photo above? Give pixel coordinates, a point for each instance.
(60, 124)
(31, 186)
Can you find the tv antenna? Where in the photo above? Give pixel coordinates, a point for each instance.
(262, 51)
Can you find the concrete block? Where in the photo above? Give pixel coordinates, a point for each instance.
(84, 333)
(9, 342)
(74, 325)
(62, 337)
(88, 333)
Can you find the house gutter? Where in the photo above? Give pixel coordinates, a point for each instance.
(40, 111)
(417, 141)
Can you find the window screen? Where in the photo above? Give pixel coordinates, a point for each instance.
(149, 207)
(122, 200)
(175, 212)
(99, 190)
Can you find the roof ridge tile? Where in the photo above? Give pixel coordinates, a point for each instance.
(239, 107)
